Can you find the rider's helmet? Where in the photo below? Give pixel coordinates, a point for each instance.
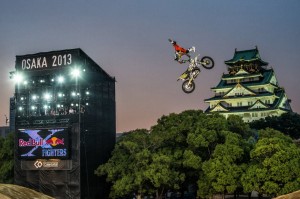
(172, 42)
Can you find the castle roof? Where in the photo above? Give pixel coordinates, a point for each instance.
(266, 74)
(246, 56)
(218, 98)
(280, 94)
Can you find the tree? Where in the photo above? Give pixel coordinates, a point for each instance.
(170, 134)
(162, 174)
(7, 158)
(183, 152)
(237, 125)
(141, 167)
(275, 165)
(224, 169)
(126, 168)
(193, 137)
(287, 123)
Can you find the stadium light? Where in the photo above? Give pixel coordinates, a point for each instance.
(47, 96)
(60, 79)
(17, 77)
(75, 72)
(34, 97)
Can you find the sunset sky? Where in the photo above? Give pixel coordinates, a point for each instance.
(129, 40)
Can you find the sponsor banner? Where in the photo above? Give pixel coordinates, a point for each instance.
(42, 164)
(43, 143)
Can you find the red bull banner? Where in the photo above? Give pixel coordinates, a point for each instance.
(43, 143)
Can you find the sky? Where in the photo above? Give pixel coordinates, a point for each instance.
(129, 40)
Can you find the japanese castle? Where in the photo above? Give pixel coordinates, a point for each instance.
(250, 89)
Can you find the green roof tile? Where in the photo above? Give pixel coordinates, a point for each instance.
(267, 75)
(246, 56)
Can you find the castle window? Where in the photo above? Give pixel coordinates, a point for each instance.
(240, 104)
(254, 115)
(264, 114)
(261, 90)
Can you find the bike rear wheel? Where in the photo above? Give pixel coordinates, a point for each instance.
(207, 62)
(188, 87)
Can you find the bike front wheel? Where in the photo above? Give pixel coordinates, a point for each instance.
(188, 87)
(207, 62)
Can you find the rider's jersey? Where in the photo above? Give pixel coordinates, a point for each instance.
(179, 49)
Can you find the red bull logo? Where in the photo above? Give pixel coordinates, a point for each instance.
(54, 141)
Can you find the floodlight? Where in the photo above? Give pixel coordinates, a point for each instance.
(33, 107)
(20, 108)
(60, 79)
(87, 92)
(47, 96)
(73, 93)
(17, 77)
(75, 72)
(34, 97)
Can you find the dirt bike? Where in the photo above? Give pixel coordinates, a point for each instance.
(188, 77)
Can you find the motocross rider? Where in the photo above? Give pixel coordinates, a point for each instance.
(179, 51)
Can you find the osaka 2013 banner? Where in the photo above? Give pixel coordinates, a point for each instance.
(43, 143)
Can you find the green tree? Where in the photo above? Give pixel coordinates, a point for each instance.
(7, 158)
(178, 154)
(170, 133)
(140, 167)
(237, 125)
(275, 165)
(287, 123)
(162, 174)
(126, 168)
(224, 169)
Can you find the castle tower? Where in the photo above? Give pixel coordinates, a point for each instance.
(250, 89)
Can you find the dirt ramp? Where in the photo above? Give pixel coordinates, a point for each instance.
(9, 191)
(293, 195)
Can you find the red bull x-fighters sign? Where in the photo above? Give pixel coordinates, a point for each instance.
(43, 143)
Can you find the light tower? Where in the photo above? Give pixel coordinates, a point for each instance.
(65, 123)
